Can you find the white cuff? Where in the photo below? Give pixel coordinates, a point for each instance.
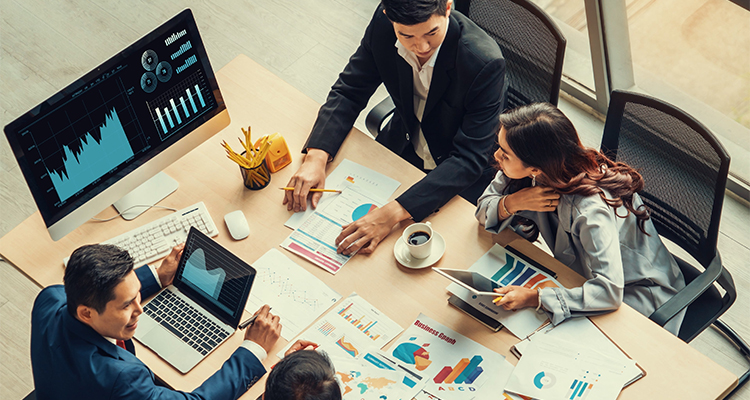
(156, 274)
(258, 351)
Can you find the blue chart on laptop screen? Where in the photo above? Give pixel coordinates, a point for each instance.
(130, 108)
(210, 270)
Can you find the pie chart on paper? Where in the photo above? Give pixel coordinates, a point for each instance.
(362, 210)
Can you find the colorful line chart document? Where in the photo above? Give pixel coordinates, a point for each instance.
(352, 328)
(295, 295)
(315, 239)
(507, 268)
(451, 365)
(349, 173)
(556, 369)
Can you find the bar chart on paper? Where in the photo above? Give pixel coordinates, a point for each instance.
(181, 104)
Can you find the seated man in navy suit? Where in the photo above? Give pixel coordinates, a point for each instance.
(81, 345)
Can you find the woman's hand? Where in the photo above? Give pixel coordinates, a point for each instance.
(517, 297)
(536, 198)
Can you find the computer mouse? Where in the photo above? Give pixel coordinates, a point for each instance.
(237, 224)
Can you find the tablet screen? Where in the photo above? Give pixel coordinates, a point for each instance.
(471, 280)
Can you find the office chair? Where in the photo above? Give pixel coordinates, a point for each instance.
(531, 43)
(685, 170)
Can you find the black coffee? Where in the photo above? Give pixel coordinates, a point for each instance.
(418, 237)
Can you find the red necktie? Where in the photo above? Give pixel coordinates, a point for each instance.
(121, 343)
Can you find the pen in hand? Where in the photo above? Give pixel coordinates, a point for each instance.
(497, 299)
(249, 321)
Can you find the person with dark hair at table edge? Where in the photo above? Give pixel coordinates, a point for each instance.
(303, 374)
(587, 209)
(446, 77)
(81, 333)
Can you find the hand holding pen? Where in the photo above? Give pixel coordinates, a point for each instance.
(264, 328)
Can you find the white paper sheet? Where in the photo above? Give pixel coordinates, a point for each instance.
(352, 328)
(294, 294)
(315, 239)
(451, 365)
(375, 184)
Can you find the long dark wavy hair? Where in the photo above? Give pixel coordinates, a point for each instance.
(544, 138)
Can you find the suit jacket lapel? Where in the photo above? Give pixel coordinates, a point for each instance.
(445, 62)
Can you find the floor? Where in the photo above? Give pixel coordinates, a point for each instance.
(48, 44)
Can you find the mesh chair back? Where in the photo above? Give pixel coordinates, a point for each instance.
(683, 166)
(531, 43)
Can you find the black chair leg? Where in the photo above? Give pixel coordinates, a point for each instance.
(741, 345)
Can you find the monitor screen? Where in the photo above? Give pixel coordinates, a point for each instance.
(88, 138)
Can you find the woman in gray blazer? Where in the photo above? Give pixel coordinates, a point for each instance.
(587, 209)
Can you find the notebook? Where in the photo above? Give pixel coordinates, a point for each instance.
(202, 307)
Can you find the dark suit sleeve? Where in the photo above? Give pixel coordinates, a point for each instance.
(473, 146)
(230, 382)
(149, 284)
(347, 98)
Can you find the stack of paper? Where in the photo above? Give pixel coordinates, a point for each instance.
(582, 330)
(555, 369)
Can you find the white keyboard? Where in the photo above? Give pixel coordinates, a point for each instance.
(155, 240)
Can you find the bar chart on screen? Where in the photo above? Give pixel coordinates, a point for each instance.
(181, 104)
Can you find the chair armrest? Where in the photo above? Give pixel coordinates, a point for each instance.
(378, 114)
(689, 293)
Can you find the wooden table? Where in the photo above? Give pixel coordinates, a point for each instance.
(256, 97)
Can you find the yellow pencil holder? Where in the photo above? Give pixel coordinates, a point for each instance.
(256, 178)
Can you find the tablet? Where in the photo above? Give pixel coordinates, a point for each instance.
(471, 280)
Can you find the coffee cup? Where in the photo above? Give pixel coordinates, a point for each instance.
(418, 238)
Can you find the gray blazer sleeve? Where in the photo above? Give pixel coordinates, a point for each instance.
(594, 230)
(487, 206)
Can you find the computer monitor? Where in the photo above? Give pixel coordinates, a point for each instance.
(104, 135)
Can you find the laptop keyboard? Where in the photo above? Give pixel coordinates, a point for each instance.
(186, 322)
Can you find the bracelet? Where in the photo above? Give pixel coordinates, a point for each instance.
(539, 299)
(502, 201)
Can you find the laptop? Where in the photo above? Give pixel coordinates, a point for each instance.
(202, 307)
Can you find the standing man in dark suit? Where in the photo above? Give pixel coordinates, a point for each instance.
(81, 346)
(446, 77)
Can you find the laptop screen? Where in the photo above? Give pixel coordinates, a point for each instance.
(214, 277)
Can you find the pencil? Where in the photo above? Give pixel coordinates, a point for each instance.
(314, 190)
(497, 299)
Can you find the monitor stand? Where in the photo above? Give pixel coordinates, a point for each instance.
(148, 194)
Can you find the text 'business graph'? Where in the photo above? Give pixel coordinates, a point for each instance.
(181, 104)
(92, 159)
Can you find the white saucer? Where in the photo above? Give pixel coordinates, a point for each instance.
(401, 251)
